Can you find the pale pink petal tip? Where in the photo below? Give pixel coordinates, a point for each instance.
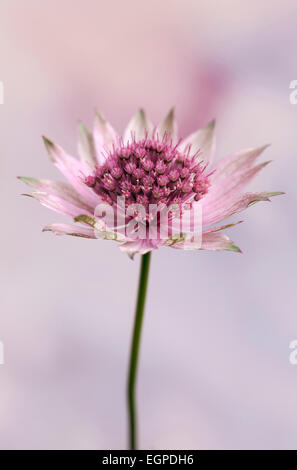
(168, 126)
(138, 128)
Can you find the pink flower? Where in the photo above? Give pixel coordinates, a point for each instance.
(144, 174)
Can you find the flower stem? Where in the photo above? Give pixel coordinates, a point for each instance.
(142, 288)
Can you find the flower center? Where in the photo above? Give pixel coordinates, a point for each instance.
(149, 171)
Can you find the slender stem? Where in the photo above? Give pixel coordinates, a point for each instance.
(142, 288)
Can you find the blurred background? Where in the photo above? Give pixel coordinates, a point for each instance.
(214, 366)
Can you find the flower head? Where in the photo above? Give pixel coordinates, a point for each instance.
(148, 189)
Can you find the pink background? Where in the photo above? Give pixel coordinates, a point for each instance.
(215, 371)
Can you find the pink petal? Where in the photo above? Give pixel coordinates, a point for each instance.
(212, 241)
(86, 146)
(218, 241)
(139, 246)
(168, 126)
(221, 227)
(222, 209)
(236, 162)
(104, 136)
(228, 188)
(138, 127)
(70, 229)
(203, 141)
(101, 230)
(61, 190)
(57, 204)
(72, 169)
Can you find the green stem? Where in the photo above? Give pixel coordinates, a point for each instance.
(142, 288)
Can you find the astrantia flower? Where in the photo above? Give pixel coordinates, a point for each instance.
(144, 190)
(149, 168)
